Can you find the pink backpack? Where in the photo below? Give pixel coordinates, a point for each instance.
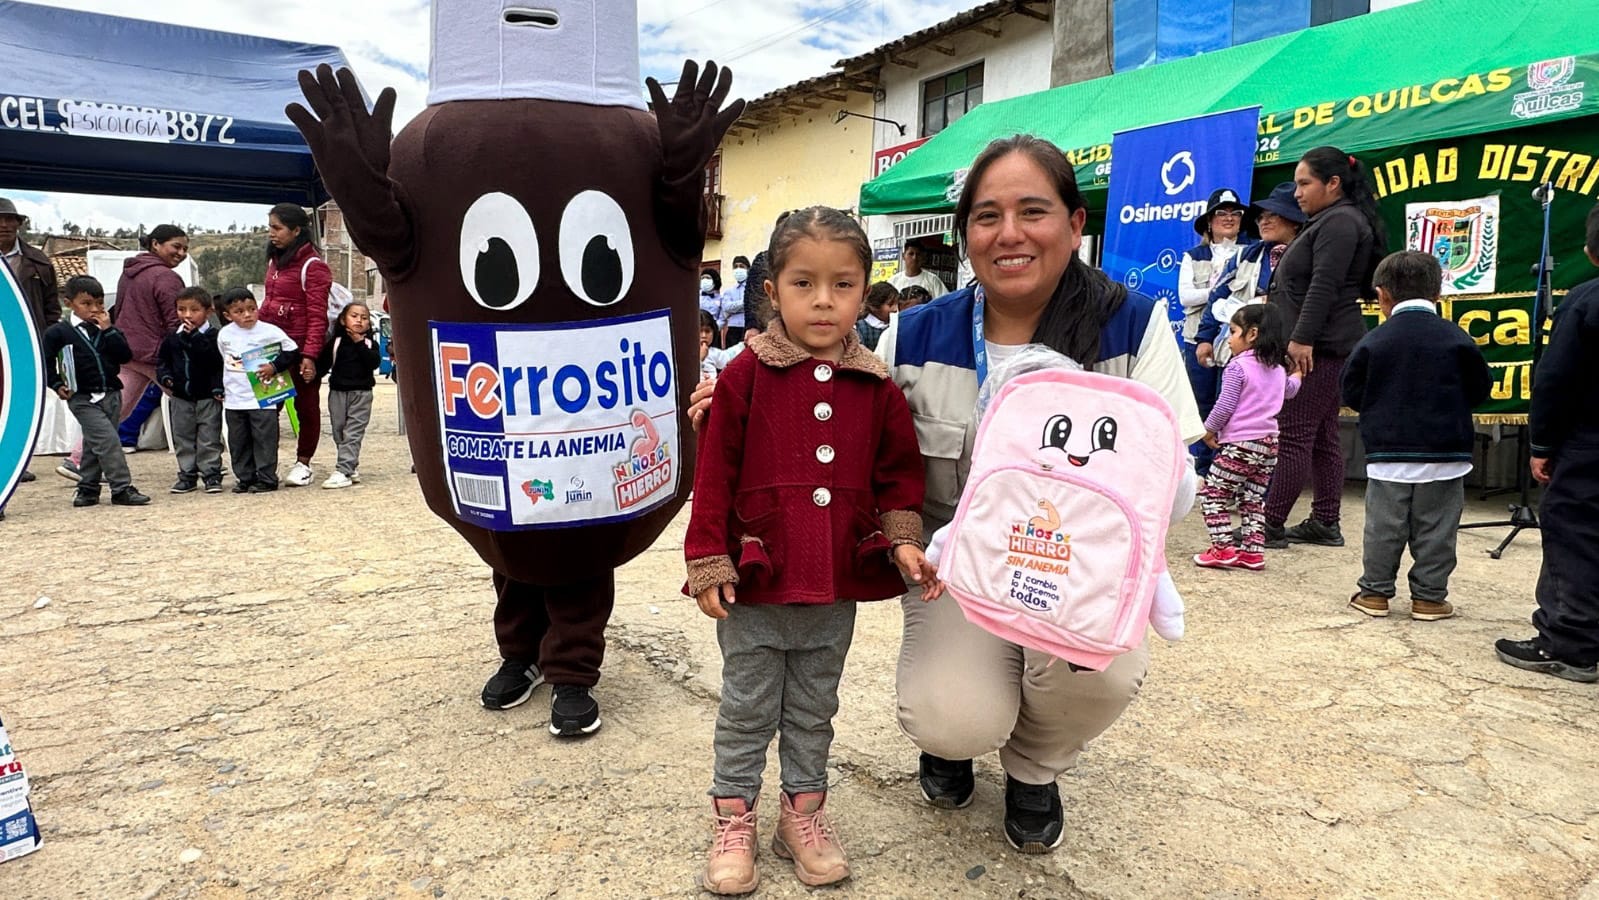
(1059, 541)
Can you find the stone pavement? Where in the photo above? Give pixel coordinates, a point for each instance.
(277, 696)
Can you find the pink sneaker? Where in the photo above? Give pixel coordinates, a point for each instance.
(805, 836)
(1217, 557)
(730, 868)
(1254, 562)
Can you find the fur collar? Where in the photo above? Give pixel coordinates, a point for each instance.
(774, 348)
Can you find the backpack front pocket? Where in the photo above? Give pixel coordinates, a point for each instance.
(1049, 554)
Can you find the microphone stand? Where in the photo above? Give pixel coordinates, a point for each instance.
(1524, 515)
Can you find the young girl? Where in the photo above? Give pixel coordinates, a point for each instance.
(882, 301)
(808, 494)
(350, 355)
(1242, 427)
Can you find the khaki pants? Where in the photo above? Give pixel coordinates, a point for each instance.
(964, 692)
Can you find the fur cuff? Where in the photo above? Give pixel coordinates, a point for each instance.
(903, 526)
(710, 572)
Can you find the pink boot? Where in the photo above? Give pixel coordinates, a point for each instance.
(730, 869)
(805, 836)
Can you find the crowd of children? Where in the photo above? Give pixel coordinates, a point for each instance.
(1414, 380)
(233, 375)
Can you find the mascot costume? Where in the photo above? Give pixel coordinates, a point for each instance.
(540, 235)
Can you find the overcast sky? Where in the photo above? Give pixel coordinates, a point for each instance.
(768, 43)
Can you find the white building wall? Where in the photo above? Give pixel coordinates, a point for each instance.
(1015, 63)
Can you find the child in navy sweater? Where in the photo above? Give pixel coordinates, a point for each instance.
(1414, 380)
(348, 357)
(84, 353)
(189, 369)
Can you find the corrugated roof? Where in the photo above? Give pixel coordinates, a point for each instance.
(69, 266)
(859, 73)
(958, 22)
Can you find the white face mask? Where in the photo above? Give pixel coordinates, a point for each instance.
(705, 285)
(740, 274)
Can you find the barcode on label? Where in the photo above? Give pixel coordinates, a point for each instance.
(480, 491)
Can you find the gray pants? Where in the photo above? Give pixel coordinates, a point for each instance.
(197, 434)
(102, 449)
(253, 440)
(349, 411)
(1425, 516)
(780, 671)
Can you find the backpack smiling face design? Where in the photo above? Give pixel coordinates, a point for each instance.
(1059, 538)
(1058, 435)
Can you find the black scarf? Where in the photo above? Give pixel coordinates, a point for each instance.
(1084, 301)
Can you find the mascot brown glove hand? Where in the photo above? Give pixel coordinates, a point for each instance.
(692, 125)
(351, 149)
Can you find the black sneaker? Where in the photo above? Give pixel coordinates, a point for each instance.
(259, 487)
(512, 685)
(946, 783)
(184, 485)
(129, 496)
(82, 498)
(26, 477)
(1034, 819)
(69, 470)
(1311, 531)
(213, 485)
(1275, 537)
(573, 713)
(241, 487)
(1528, 655)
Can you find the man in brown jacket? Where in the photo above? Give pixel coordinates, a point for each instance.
(34, 274)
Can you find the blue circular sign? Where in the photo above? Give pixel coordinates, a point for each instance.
(21, 383)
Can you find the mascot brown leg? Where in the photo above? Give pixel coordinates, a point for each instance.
(554, 634)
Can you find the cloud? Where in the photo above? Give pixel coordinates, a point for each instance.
(768, 44)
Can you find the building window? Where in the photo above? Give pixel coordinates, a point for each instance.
(711, 197)
(948, 97)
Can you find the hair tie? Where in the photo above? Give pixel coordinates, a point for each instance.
(1353, 163)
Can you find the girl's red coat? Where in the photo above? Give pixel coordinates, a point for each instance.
(809, 473)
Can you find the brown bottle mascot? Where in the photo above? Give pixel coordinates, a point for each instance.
(540, 234)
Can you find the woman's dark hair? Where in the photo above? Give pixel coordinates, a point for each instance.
(741, 261)
(292, 215)
(235, 295)
(707, 322)
(716, 279)
(160, 235)
(913, 295)
(1086, 298)
(879, 294)
(822, 223)
(1327, 163)
(1271, 338)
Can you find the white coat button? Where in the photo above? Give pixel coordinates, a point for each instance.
(821, 496)
(824, 411)
(824, 454)
(824, 372)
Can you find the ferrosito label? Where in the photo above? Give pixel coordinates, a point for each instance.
(556, 425)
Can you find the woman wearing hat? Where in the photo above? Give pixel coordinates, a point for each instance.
(1247, 276)
(1200, 273)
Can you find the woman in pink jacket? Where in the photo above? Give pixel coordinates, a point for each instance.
(297, 285)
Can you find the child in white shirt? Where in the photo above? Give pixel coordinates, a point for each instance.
(256, 358)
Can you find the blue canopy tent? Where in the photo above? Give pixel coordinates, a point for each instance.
(100, 104)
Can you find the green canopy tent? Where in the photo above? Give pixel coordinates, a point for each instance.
(1445, 100)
